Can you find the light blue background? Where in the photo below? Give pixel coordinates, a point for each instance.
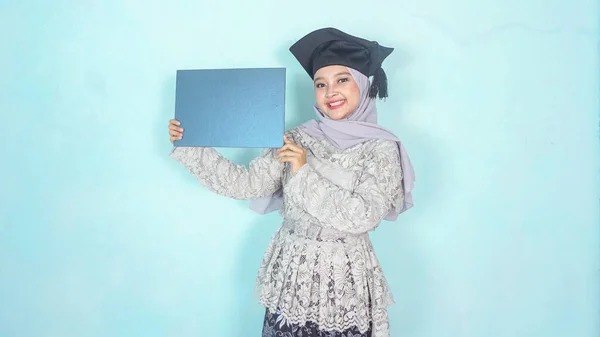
(101, 234)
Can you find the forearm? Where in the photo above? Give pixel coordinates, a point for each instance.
(349, 211)
(220, 175)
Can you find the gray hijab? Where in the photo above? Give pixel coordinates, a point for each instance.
(359, 126)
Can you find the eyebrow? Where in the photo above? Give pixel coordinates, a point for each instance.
(336, 75)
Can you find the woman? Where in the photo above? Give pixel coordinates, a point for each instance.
(332, 181)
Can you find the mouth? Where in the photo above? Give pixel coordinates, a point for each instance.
(336, 104)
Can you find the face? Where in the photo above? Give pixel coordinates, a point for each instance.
(336, 92)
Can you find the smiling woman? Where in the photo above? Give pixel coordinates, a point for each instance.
(319, 275)
(336, 92)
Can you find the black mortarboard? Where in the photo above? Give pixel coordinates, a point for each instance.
(330, 46)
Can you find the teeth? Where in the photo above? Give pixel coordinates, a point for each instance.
(336, 103)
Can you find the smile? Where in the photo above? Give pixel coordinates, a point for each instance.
(336, 104)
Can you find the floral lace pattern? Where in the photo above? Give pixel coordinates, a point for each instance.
(275, 325)
(320, 265)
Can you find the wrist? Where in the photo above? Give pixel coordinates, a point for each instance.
(295, 171)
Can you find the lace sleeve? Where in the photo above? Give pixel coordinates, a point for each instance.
(220, 175)
(355, 211)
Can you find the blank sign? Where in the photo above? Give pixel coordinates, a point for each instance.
(231, 107)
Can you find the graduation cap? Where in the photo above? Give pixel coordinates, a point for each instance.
(330, 46)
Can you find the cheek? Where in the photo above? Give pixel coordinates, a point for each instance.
(356, 92)
(319, 98)
(354, 96)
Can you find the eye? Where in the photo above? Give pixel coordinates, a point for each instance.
(319, 85)
(342, 80)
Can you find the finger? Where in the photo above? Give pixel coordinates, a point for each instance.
(175, 133)
(291, 147)
(175, 122)
(288, 154)
(175, 127)
(291, 160)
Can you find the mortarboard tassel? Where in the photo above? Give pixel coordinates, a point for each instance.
(379, 84)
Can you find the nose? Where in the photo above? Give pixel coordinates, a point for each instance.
(330, 93)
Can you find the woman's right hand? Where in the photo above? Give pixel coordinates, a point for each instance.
(175, 131)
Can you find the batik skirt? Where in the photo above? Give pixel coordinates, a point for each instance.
(275, 325)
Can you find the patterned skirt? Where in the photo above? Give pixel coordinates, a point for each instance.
(275, 325)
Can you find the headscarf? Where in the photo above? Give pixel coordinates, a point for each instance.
(359, 126)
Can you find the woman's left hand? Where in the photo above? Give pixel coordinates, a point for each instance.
(293, 154)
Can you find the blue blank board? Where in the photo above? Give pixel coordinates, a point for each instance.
(231, 107)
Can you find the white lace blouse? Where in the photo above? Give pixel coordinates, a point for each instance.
(320, 265)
